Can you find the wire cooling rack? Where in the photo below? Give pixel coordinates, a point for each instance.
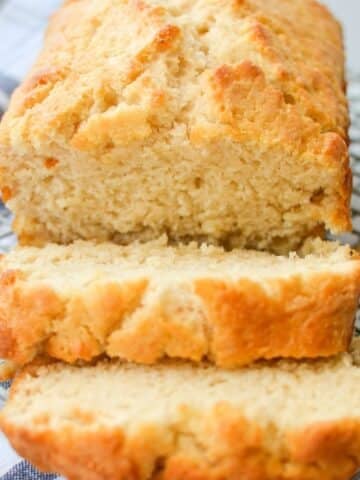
(354, 98)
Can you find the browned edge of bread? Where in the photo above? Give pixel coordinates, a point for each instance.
(233, 323)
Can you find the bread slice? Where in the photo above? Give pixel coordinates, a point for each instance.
(147, 301)
(174, 421)
(222, 120)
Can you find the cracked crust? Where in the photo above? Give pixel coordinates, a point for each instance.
(48, 308)
(259, 83)
(211, 443)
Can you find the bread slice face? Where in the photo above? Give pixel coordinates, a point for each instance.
(144, 302)
(174, 421)
(223, 121)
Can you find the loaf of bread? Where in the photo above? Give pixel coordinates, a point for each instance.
(283, 420)
(147, 301)
(221, 120)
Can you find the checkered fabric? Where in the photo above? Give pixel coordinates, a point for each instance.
(21, 30)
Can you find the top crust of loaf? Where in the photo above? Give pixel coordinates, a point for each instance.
(134, 74)
(89, 89)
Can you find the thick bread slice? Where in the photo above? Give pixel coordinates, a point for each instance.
(224, 120)
(147, 301)
(283, 421)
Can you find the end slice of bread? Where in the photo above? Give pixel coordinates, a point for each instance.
(144, 302)
(174, 421)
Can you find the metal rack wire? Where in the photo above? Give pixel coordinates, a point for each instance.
(354, 98)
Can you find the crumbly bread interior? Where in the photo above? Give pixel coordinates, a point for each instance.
(219, 121)
(74, 266)
(286, 395)
(144, 302)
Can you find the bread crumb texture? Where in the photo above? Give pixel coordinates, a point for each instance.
(144, 302)
(280, 420)
(217, 120)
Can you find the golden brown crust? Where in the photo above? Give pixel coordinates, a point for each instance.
(7, 370)
(303, 319)
(276, 88)
(32, 312)
(230, 322)
(214, 445)
(328, 441)
(317, 89)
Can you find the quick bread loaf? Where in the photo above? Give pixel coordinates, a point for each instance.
(222, 121)
(144, 302)
(174, 421)
(154, 149)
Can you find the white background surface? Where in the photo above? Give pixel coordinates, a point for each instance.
(348, 11)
